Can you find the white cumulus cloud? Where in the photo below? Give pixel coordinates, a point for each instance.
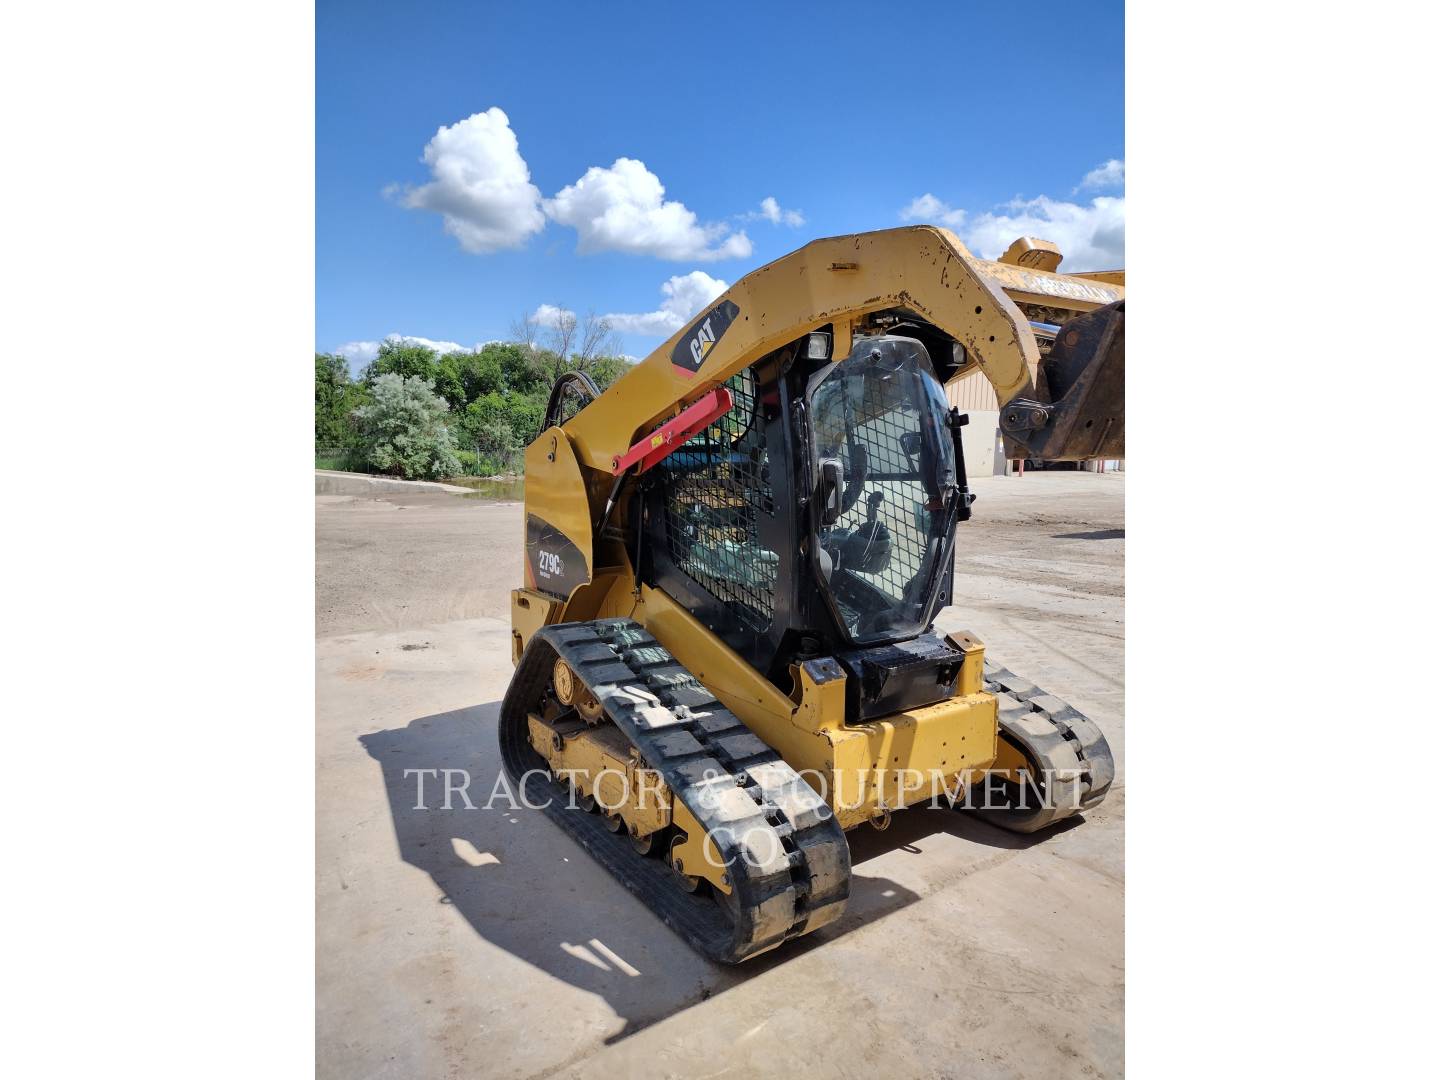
(684, 296)
(481, 184)
(623, 208)
(360, 353)
(441, 347)
(481, 188)
(1104, 177)
(771, 211)
(550, 316)
(1090, 235)
(932, 211)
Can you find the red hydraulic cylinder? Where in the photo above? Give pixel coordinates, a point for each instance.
(671, 435)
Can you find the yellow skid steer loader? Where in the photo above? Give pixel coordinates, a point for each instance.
(733, 561)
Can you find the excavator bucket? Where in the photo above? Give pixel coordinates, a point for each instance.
(1084, 379)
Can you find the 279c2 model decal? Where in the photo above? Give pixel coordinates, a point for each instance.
(703, 335)
(552, 563)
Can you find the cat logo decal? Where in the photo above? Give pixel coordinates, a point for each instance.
(704, 335)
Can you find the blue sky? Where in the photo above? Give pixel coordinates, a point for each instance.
(995, 119)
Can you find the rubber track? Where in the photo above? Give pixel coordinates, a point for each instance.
(1062, 741)
(787, 856)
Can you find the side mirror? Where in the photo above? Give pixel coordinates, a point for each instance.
(832, 483)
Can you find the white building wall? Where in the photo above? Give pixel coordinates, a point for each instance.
(984, 451)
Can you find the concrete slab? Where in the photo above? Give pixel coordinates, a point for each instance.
(328, 482)
(475, 942)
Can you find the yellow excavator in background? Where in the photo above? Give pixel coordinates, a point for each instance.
(733, 561)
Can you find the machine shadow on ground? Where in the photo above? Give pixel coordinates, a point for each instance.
(526, 887)
(920, 822)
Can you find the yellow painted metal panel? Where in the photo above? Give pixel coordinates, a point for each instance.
(859, 769)
(922, 268)
(556, 493)
(602, 764)
(529, 611)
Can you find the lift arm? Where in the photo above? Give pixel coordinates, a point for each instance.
(837, 282)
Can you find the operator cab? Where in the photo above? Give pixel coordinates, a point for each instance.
(883, 456)
(817, 519)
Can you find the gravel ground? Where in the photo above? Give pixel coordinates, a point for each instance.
(411, 560)
(472, 943)
(387, 563)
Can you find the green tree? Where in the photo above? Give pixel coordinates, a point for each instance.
(468, 375)
(448, 382)
(404, 429)
(526, 415)
(606, 369)
(496, 397)
(336, 397)
(495, 438)
(519, 367)
(521, 414)
(405, 360)
(488, 409)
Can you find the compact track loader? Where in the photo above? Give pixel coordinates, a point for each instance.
(734, 557)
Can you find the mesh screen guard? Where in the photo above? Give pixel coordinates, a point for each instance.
(878, 424)
(716, 487)
(882, 414)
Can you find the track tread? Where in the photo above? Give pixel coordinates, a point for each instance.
(1061, 739)
(738, 788)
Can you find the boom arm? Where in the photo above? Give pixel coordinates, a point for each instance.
(837, 282)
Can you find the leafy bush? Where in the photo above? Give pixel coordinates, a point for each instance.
(495, 437)
(404, 430)
(519, 414)
(496, 396)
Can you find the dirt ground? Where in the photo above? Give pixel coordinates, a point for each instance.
(481, 942)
